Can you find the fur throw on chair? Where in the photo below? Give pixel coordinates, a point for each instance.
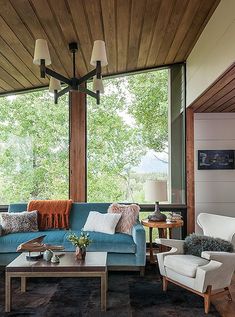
(195, 244)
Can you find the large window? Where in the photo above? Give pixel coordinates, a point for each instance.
(128, 137)
(33, 147)
(135, 134)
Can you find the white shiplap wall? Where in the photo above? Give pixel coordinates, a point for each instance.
(214, 189)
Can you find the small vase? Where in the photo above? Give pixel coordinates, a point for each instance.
(81, 253)
(47, 255)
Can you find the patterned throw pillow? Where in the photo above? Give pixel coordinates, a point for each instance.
(129, 216)
(19, 221)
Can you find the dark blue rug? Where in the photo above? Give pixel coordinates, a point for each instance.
(128, 295)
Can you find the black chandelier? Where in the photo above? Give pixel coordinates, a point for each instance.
(98, 59)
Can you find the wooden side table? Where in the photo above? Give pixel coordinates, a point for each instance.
(162, 227)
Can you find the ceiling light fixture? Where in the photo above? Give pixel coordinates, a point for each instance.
(98, 59)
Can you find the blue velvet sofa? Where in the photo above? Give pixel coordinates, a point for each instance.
(124, 251)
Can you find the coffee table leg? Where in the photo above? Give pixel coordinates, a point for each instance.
(23, 284)
(103, 291)
(8, 293)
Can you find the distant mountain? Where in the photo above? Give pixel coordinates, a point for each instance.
(152, 163)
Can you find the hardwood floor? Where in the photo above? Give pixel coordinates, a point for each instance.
(224, 307)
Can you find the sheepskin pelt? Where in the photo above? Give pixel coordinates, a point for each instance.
(195, 244)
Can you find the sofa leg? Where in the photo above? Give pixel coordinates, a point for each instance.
(207, 299)
(142, 270)
(164, 283)
(228, 294)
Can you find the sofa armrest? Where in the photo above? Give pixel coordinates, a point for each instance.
(139, 237)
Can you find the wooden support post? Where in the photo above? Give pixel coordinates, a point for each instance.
(77, 191)
(190, 170)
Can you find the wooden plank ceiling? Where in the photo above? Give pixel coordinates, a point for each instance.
(139, 34)
(219, 96)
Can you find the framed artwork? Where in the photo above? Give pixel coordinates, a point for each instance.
(215, 159)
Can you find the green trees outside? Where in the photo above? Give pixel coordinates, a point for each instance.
(130, 121)
(33, 148)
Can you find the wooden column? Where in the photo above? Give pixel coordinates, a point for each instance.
(77, 180)
(190, 170)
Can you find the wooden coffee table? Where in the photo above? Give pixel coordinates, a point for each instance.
(93, 266)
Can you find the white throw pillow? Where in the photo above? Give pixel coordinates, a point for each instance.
(105, 223)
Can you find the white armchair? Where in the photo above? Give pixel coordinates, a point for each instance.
(208, 275)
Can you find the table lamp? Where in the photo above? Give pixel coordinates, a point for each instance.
(156, 191)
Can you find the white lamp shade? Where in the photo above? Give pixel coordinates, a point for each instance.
(41, 51)
(54, 84)
(155, 190)
(98, 85)
(99, 53)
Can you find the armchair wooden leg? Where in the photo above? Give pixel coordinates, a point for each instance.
(207, 299)
(228, 294)
(164, 283)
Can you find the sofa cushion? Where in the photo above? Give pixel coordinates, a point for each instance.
(115, 243)
(10, 242)
(184, 264)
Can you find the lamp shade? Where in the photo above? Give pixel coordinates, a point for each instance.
(41, 51)
(155, 190)
(54, 84)
(98, 85)
(99, 53)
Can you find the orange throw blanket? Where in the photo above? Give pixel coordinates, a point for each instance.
(52, 214)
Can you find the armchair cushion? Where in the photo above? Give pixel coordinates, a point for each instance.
(184, 264)
(196, 244)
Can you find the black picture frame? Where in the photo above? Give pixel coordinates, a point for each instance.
(215, 159)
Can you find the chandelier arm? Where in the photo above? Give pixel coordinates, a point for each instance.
(87, 76)
(56, 75)
(63, 91)
(88, 92)
(60, 93)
